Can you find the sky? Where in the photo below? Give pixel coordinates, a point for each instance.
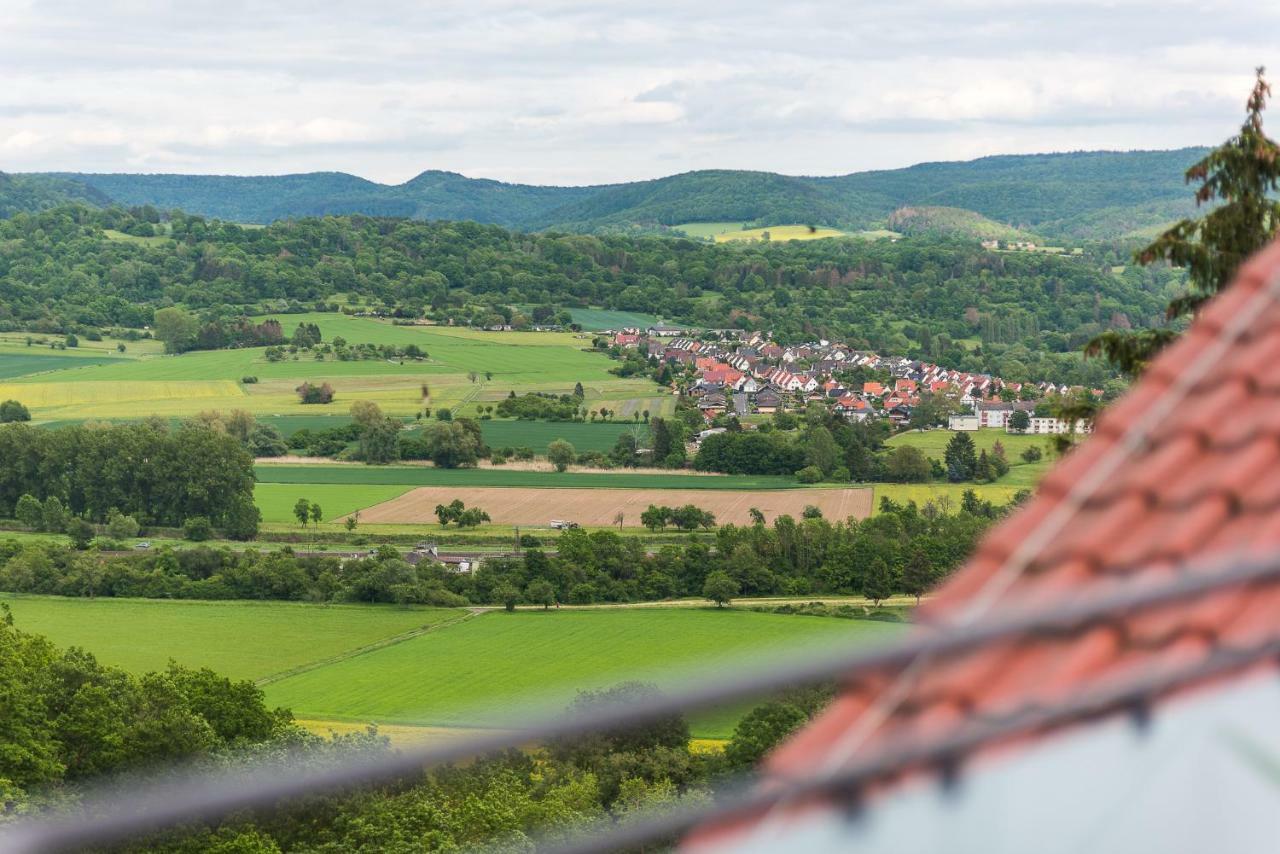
(552, 92)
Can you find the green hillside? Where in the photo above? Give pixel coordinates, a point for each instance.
(19, 193)
(952, 222)
(1079, 195)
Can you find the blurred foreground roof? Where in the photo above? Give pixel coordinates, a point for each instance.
(1184, 468)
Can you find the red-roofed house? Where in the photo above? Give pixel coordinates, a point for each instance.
(1152, 729)
(872, 388)
(626, 339)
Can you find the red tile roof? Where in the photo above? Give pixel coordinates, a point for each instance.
(1186, 466)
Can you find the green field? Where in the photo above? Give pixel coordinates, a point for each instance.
(431, 476)
(780, 233)
(466, 671)
(491, 669)
(17, 364)
(244, 640)
(933, 443)
(538, 434)
(597, 319)
(708, 230)
(276, 500)
(140, 384)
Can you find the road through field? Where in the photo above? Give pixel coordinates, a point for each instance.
(598, 507)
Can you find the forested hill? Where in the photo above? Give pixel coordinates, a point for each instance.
(1085, 195)
(263, 199)
(37, 193)
(1022, 315)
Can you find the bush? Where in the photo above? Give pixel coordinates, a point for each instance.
(309, 393)
(248, 380)
(29, 512)
(809, 474)
(12, 410)
(80, 531)
(121, 527)
(197, 529)
(560, 454)
(1032, 454)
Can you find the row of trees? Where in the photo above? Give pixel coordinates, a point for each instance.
(145, 470)
(791, 557)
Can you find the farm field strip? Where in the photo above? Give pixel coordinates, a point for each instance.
(500, 477)
(240, 639)
(45, 395)
(599, 319)
(17, 363)
(490, 670)
(276, 500)
(599, 507)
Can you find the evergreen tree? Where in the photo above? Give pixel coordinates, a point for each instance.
(961, 458)
(1239, 179)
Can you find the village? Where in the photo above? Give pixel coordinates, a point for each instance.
(741, 374)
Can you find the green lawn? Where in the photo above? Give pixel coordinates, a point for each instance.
(429, 476)
(276, 500)
(244, 640)
(493, 669)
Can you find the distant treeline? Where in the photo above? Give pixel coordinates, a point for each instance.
(931, 299)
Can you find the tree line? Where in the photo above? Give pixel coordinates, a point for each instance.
(902, 549)
(156, 475)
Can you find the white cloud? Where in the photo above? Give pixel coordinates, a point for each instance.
(602, 90)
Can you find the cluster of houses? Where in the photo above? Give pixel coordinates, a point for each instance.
(743, 373)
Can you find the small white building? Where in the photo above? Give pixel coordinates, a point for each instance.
(962, 423)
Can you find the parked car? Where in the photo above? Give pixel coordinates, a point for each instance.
(145, 544)
(562, 525)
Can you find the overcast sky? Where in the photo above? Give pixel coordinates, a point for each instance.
(551, 92)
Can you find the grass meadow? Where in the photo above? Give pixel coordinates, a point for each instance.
(1022, 475)
(598, 319)
(780, 233)
(276, 500)
(488, 670)
(430, 666)
(243, 640)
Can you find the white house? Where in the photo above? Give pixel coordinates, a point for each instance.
(963, 423)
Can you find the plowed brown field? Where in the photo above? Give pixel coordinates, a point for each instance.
(596, 507)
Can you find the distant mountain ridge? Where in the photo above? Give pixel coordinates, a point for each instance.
(1079, 195)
